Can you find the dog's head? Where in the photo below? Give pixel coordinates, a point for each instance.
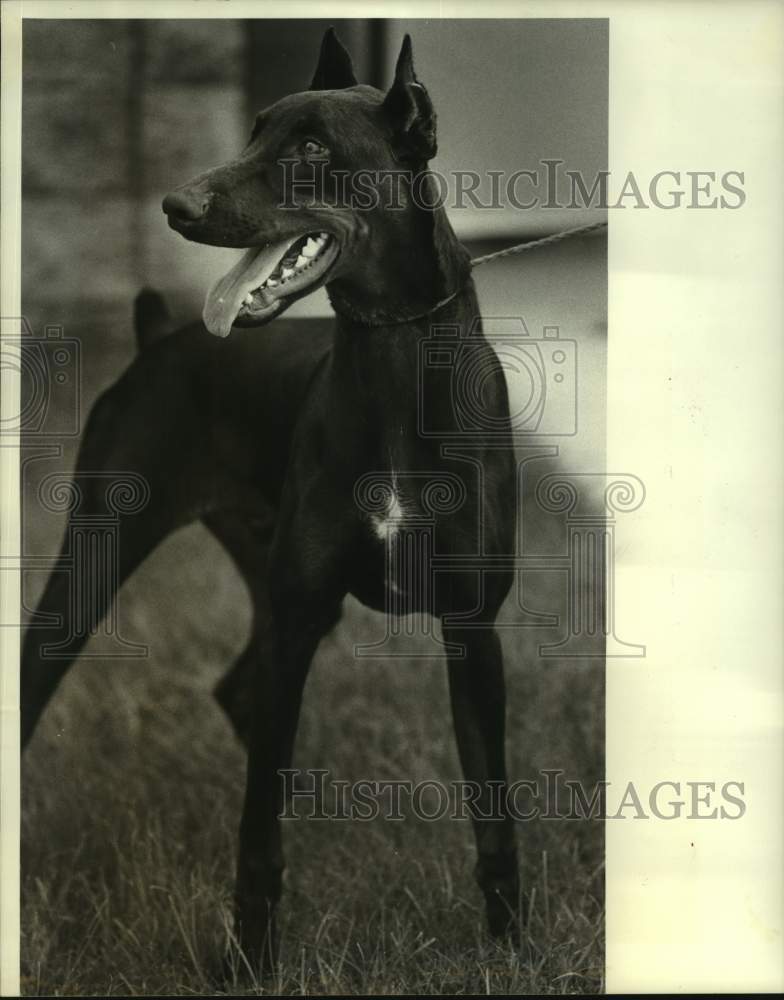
(300, 194)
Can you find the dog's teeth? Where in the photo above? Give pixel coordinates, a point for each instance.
(311, 247)
(322, 237)
(271, 283)
(287, 272)
(248, 300)
(301, 261)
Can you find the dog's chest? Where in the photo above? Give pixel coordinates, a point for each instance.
(392, 528)
(389, 520)
(396, 505)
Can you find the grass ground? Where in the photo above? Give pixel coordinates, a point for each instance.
(132, 791)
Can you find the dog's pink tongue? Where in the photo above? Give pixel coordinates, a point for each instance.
(225, 298)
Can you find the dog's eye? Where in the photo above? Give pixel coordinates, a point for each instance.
(310, 147)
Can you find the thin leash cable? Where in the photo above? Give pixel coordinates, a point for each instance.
(517, 248)
(594, 227)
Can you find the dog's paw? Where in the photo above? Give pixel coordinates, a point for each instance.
(236, 972)
(505, 910)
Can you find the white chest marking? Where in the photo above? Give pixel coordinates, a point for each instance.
(387, 524)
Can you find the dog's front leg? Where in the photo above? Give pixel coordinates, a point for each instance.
(299, 625)
(477, 694)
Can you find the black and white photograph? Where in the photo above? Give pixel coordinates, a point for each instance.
(345, 598)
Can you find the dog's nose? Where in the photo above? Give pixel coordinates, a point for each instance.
(186, 205)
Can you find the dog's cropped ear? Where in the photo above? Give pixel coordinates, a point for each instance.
(334, 70)
(408, 105)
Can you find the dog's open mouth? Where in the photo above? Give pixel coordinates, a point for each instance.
(266, 279)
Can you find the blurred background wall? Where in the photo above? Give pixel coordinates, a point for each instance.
(117, 112)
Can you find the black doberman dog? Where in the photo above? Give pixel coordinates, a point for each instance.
(270, 439)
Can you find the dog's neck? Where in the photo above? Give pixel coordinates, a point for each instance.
(404, 271)
(384, 313)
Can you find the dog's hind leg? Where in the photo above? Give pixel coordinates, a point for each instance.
(247, 539)
(129, 490)
(80, 591)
